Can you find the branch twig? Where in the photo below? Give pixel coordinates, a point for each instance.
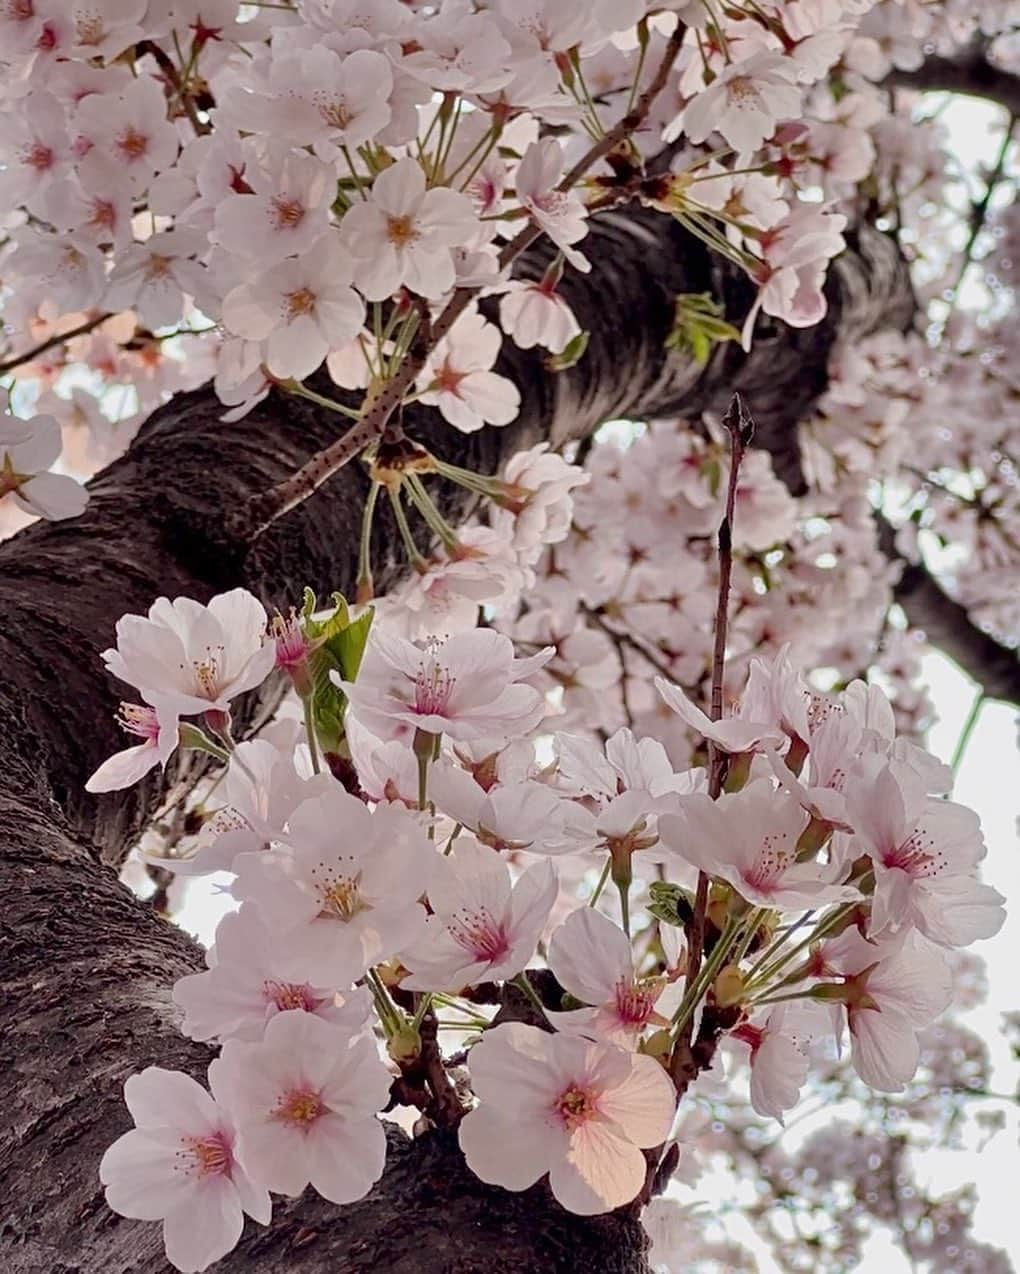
(58, 338)
(740, 425)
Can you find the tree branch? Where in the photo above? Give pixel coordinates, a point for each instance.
(948, 626)
(970, 72)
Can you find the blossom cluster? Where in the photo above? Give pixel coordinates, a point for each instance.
(306, 183)
(386, 876)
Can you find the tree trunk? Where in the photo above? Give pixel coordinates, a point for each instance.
(85, 970)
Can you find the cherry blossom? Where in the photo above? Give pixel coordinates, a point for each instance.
(890, 992)
(157, 729)
(188, 658)
(458, 379)
(925, 854)
(580, 1111)
(339, 904)
(131, 127)
(560, 213)
(482, 927)
(239, 994)
(302, 309)
(404, 234)
(304, 1099)
(536, 314)
(179, 1165)
(592, 959)
(750, 840)
(271, 209)
(745, 102)
(465, 687)
(27, 450)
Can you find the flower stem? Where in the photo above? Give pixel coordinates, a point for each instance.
(313, 745)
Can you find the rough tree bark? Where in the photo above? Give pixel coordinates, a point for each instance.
(85, 970)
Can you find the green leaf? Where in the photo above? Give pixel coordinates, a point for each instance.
(572, 353)
(671, 904)
(698, 325)
(341, 645)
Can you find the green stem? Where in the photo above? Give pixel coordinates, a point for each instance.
(313, 745)
(965, 733)
(424, 1004)
(365, 546)
(410, 548)
(601, 883)
(827, 924)
(302, 391)
(391, 1017)
(706, 975)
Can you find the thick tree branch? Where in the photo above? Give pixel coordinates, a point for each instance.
(85, 971)
(969, 72)
(949, 627)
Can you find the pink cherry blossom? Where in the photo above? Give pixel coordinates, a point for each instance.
(561, 214)
(304, 1099)
(159, 735)
(189, 658)
(342, 893)
(273, 209)
(737, 733)
(536, 314)
(925, 854)
(458, 379)
(506, 816)
(577, 1110)
(482, 928)
(745, 102)
(466, 687)
(779, 1061)
(154, 278)
(302, 309)
(179, 1165)
(241, 992)
(592, 959)
(317, 97)
(131, 127)
(27, 450)
(403, 234)
(749, 839)
(891, 991)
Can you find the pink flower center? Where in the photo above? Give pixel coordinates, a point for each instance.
(132, 144)
(432, 689)
(291, 647)
(479, 934)
(287, 214)
(200, 1157)
(339, 896)
(288, 995)
(139, 719)
(38, 156)
(577, 1104)
(917, 856)
(300, 1108)
(401, 231)
(773, 859)
(635, 1002)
